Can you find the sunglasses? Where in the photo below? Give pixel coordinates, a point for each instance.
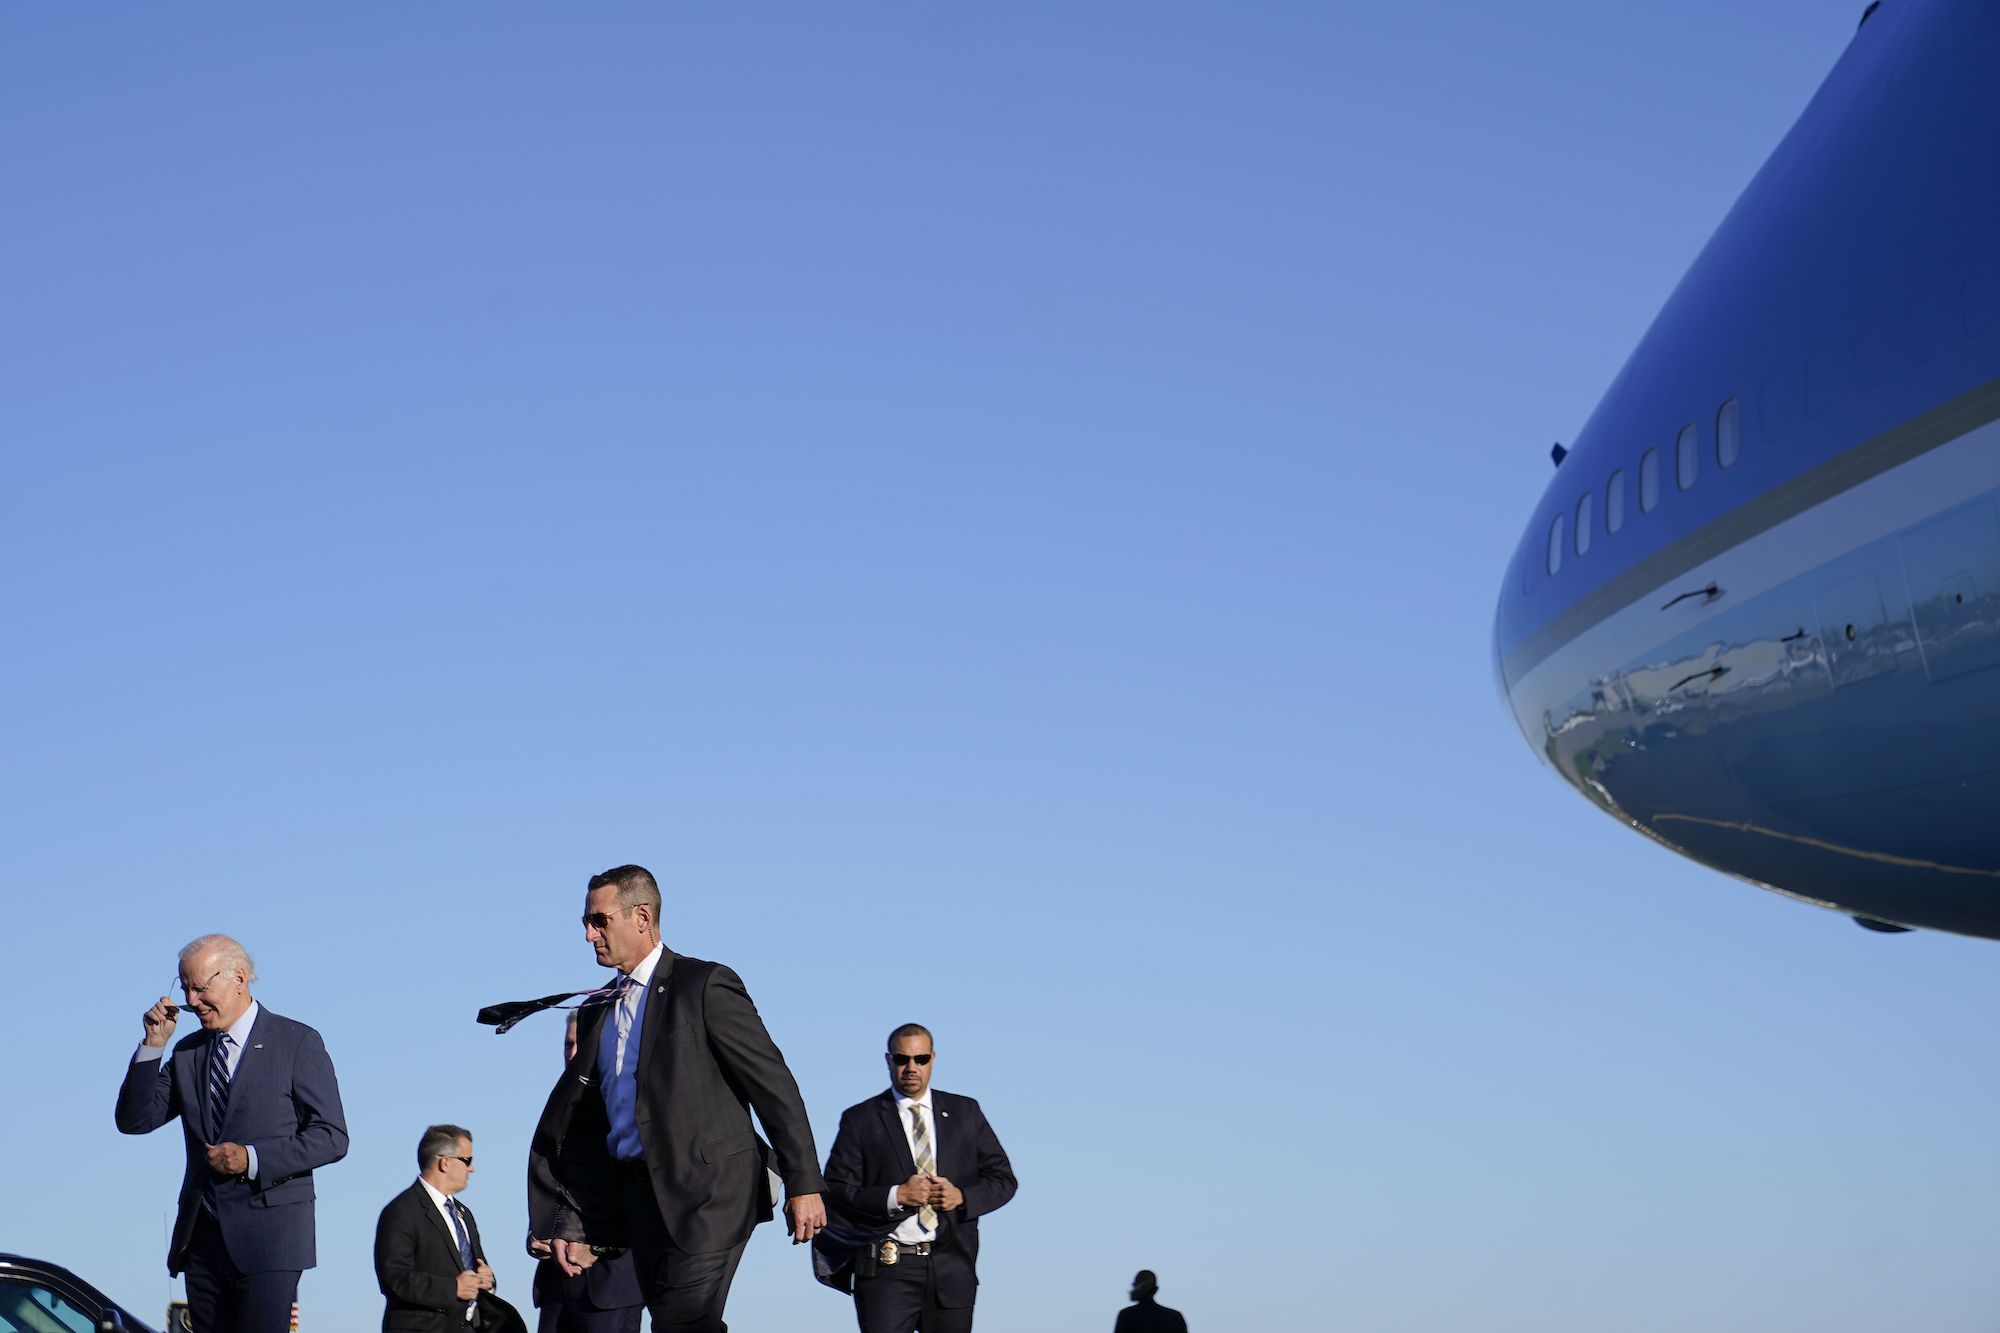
(454, 1157)
(599, 920)
(174, 1010)
(900, 1060)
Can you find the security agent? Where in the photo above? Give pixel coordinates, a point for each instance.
(911, 1172)
(429, 1261)
(646, 1142)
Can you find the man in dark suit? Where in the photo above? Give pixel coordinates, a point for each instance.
(605, 1297)
(912, 1171)
(429, 1261)
(259, 1110)
(646, 1142)
(1146, 1315)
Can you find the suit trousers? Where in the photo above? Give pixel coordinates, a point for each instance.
(684, 1292)
(224, 1299)
(563, 1317)
(903, 1299)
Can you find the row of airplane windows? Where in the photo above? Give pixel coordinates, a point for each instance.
(1687, 468)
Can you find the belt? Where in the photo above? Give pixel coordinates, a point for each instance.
(895, 1251)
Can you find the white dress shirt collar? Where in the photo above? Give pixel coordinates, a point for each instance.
(239, 1031)
(643, 973)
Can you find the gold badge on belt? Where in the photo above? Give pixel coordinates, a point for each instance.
(888, 1253)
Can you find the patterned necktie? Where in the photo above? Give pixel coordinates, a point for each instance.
(625, 1009)
(218, 1084)
(465, 1258)
(920, 1144)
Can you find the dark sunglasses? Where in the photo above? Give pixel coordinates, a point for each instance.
(454, 1157)
(599, 920)
(900, 1060)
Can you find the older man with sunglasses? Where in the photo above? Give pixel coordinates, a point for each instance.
(259, 1111)
(911, 1173)
(646, 1142)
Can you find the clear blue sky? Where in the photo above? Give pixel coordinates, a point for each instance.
(1000, 507)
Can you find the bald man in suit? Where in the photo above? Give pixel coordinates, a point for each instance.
(912, 1171)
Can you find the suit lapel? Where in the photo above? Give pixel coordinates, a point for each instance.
(945, 1139)
(657, 1014)
(193, 1091)
(589, 1029)
(421, 1198)
(250, 1063)
(899, 1141)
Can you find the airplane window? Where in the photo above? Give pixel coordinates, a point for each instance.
(1614, 501)
(1687, 456)
(1728, 434)
(1556, 544)
(1583, 524)
(1649, 481)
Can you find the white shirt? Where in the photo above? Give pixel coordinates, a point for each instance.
(442, 1202)
(232, 1055)
(618, 1059)
(913, 1231)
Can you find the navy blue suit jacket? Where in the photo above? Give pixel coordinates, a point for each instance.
(284, 1102)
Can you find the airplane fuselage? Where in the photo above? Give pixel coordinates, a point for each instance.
(1755, 613)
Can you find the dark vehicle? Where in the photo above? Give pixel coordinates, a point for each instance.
(37, 1297)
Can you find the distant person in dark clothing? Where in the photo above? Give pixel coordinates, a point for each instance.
(1147, 1315)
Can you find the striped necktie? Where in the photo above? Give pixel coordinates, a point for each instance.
(465, 1258)
(920, 1147)
(218, 1084)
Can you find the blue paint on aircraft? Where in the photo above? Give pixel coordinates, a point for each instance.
(1757, 613)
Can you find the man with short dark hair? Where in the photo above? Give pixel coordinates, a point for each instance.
(260, 1111)
(646, 1141)
(1146, 1315)
(429, 1261)
(912, 1171)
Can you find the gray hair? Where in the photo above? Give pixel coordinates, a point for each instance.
(222, 949)
(440, 1141)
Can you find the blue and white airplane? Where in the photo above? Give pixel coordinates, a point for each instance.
(1757, 614)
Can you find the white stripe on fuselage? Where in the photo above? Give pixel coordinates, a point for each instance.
(1901, 497)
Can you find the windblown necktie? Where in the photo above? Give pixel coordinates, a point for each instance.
(920, 1143)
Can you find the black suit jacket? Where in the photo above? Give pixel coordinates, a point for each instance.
(417, 1268)
(604, 1296)
(1149, 1317)
(871, 1156)
(705, 1059)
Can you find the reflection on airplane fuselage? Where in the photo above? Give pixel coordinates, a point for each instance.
(1755, 613)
